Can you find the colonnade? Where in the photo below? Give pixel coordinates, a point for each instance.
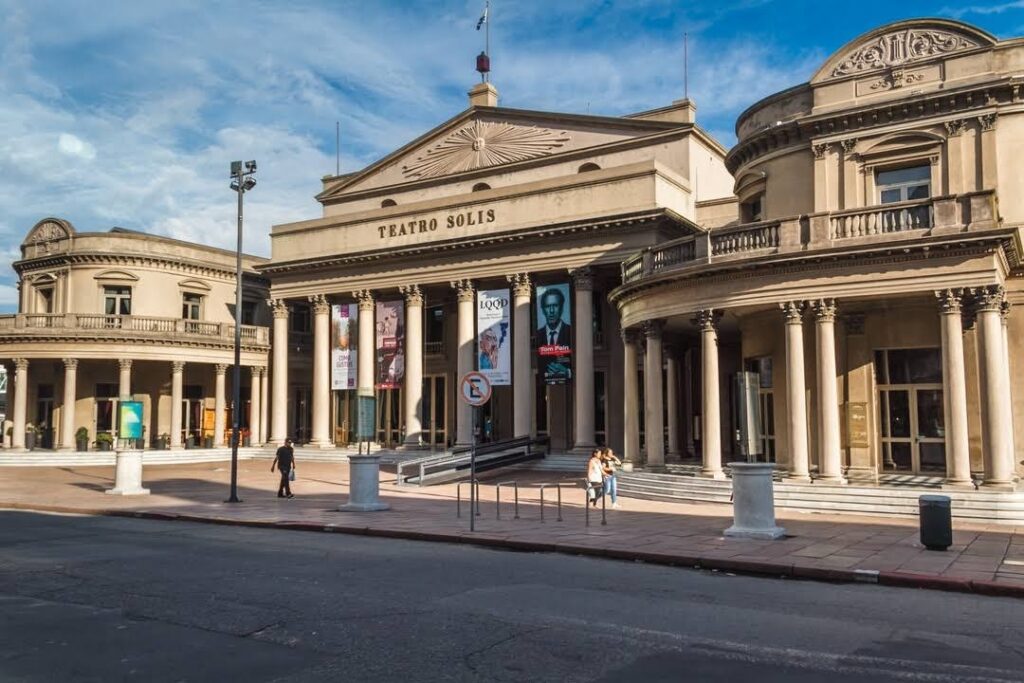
(986, 305)
(66, 434)
(465, 361)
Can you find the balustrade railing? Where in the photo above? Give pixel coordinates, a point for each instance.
(171, 327)
(878, 220)
(751, 237)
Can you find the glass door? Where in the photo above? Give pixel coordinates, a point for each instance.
(301, 425)
(435, 423)
(390, 421)
(912, 417)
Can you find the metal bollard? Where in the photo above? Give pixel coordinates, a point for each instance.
(559, 487)
(936, 522)
(542, 503)
(604, 498)
(586, 503)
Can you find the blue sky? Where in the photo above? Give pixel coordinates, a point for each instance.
(128, 113)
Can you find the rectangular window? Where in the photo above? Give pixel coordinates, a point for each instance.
(752, 210)
(190, 306)
(904, 184)
(300, 319)
(248, 312)
(435, 329)
(117, 300)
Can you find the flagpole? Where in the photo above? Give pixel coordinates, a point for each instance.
(487, 27)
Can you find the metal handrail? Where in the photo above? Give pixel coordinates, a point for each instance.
(497, 497)
(462, 454)
(458, 497)
(558, 487)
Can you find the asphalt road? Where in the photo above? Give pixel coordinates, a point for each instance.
(105, 599)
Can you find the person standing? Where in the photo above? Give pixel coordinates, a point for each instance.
(610, 465)
(284, 459)
(595, 476)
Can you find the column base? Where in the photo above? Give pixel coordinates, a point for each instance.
(796, 478)
(66, 449)
(320, 445)
(958, 485)
(1009, 486)
(769, 534)
(831, 481)
(712, 474)
(414, 446)
(862, 475)
(179, 447)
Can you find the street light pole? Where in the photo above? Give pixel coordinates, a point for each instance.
(241, 182)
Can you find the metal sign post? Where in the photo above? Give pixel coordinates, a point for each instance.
(476, 391)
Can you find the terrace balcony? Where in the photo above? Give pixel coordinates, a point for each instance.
(865, 227)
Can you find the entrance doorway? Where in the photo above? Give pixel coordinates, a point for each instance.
(301, 419)
(44, 415)
(389, 417)
(435, 411)
(911, 410)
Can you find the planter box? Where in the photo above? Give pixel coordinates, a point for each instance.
(82, 445)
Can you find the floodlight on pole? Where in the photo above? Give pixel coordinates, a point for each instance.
(241, 182)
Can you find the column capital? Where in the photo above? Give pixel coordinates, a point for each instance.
(793, 312)
(820, 150)
(256, 371)
(70, 363)
(463, 289)
(988, 298)
(413, 295)
(365, 299)
(1004, 310)
(987, 121)
(321, 306)
(177, 366)
(707, 319)
(630, 335)
(825, 310)
(221, 368)
(950, 301)
(125, 363)
(653, 328)
(20, 363)
(278, 307)
(521, 285)
(954, 127)
(582, 279)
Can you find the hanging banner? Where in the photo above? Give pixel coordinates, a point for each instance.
(554, 333)
(343, 346)
(494, 354)
(390, 344)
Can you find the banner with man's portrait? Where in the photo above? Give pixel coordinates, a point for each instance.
(344, 336)
(494, 357)
(554, 333)
(390, 328)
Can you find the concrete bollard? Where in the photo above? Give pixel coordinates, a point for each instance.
(753, 501)
(128, 474)
(364, 485)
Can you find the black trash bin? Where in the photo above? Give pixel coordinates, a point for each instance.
(936, 522)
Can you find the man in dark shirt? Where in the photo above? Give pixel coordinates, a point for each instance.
(285, 461)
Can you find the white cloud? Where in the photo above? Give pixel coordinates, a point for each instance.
(73, 146)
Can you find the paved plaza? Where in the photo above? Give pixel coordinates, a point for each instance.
(984, 558)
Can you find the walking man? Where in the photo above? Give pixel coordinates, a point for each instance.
(284, 459)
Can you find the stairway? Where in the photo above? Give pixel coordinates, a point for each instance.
(899, 498)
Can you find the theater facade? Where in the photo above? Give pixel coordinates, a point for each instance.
(836, 293)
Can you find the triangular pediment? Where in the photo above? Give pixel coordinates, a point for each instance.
(489, 138)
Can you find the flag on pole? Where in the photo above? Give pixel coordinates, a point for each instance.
(483, 18)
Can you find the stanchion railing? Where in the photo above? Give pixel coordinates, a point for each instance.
(497, 497)
(458, 497)
(558, 487)
(597, 490)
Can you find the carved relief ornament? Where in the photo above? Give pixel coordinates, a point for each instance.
(900, 47)
(484, 143)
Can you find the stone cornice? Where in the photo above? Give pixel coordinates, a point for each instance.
(803, 262)
(654, 216)
(972, 100)
(61, 336)
(185, 266)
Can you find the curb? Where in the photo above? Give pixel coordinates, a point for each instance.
(765, 568)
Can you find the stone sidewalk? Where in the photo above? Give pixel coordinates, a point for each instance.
(985, 559)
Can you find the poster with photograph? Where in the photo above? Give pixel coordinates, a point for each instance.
(390, 328)
(494, 356)
(554, 333)
(344, 333)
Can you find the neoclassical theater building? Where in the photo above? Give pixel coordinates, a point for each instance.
(835, 293)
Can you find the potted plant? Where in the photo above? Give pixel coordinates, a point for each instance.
(104, 441)
(10, 436)
(30, 436)
(190, 442)
(163, 441)
(81, 439)
(208, 441)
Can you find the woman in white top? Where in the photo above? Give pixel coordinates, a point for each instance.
(595, 475)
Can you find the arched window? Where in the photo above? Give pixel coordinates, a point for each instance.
(481, 186)
(589, 166)
(388, 202)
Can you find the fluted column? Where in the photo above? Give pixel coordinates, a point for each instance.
(954, 388)
(796, 392)
(583, 386)
(413, 365)
(654, 407)
(254, 405)
(995, 432)
(177, 377)
(20, 403)
(264, 404)
(829, 450)
(466, 343)
(279, 416)
(67, 425)
(711, 427)
(125, 378)
(630, 397)
(1008, 384)
(321, 436)
(522, 357)
(365, 351)
(219, 404)
(672, 401)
